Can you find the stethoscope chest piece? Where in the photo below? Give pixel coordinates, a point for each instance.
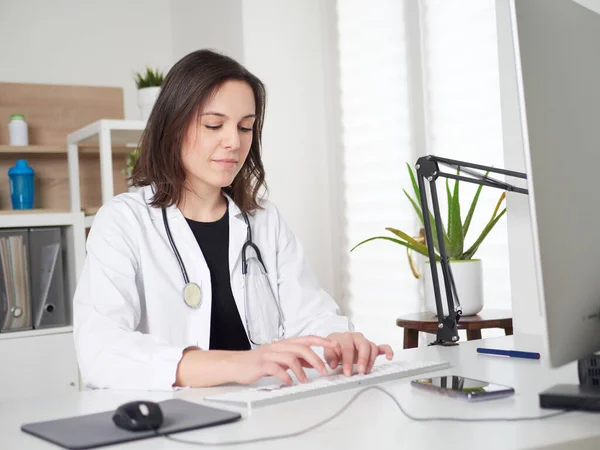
(192, 295)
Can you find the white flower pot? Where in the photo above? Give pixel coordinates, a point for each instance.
(146, 98)
(468, 278)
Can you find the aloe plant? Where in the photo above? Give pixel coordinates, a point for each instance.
(455, 232)
(149, 78)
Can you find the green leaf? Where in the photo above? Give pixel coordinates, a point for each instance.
(407, 238)
(502, 197)
(455, 234)
(449, 195)
(431, 219)
(472, 209)
(414, 182)
(419, 249)
(415, 205)
(148, 78)
(471, 251)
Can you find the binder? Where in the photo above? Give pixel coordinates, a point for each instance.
(48, 303)
(15, 298)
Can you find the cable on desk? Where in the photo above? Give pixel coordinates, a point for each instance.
(346, 406)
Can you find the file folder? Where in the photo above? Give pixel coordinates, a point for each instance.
(15, 298)
(47, 278)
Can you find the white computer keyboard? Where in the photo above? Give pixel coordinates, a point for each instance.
(278, 393)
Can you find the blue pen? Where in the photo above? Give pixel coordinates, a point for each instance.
(511, 353)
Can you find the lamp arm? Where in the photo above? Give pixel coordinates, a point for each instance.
(428, 170)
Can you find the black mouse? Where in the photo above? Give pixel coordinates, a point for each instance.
(138, 416)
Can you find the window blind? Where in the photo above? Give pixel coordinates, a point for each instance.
(377, 142)
(463, 117)
(460, 116)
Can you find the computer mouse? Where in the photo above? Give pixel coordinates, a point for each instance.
(138, 416)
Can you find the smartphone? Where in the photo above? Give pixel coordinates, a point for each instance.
(465, 388)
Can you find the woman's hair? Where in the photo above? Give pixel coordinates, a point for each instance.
(187, 87)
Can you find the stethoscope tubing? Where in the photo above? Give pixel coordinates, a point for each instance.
(174, 247)
(247, 244)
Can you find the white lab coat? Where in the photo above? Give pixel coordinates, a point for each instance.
(130, 321)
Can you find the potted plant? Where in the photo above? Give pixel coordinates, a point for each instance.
(148, 84)
(467, 270)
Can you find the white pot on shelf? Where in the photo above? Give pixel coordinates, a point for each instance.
(468, 278)
(146, 97)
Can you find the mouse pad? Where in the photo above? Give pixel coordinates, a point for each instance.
(96, 430)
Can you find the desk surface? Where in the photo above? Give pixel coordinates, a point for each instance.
(373, 421)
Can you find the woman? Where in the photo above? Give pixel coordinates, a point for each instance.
(162, 301)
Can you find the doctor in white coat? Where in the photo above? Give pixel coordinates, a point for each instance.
(195, 280)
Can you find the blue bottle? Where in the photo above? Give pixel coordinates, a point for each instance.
(21, 185)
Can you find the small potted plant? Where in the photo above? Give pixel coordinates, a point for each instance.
(467, 270)
(148, 84)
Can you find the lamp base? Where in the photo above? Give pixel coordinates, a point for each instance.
(444, 343)
(447, 333)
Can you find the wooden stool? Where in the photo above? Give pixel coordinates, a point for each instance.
(428, 323)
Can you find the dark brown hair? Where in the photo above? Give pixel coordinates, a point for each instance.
(187, 87)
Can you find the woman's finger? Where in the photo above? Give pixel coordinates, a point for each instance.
(274, 369)
(347, 349)
(305, 353)
(374, 354)
(387, 350)
(363, 346)
(311, 340)
(290, 361)
(332, 357)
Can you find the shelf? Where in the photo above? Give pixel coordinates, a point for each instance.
(37, 218)
(13, 212)
(33, 149)
(123, 133)
(56, 150)
(33, 333)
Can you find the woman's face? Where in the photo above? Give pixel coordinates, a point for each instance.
(217, 144)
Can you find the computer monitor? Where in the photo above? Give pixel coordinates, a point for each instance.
(557, 62)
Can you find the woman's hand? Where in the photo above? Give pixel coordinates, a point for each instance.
(354, 348)
(276, 358)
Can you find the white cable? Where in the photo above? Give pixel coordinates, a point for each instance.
(345, 407)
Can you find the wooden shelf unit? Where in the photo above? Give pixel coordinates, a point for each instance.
(52, 113)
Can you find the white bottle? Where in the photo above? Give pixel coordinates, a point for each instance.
(17, 129)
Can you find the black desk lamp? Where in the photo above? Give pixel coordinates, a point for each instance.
(428, 169)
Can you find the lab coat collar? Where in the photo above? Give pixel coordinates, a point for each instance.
(237, 225)
(173, 211)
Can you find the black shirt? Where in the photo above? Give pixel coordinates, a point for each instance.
(226, 329)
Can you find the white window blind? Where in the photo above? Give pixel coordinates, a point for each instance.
(377, 143)
(461, 103)
(463, 118)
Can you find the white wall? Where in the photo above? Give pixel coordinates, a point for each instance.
(289, 46)
(84, 43)
(206, 24)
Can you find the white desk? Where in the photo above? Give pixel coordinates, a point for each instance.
(373, 421)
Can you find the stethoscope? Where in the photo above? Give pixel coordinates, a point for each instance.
(192, 294)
